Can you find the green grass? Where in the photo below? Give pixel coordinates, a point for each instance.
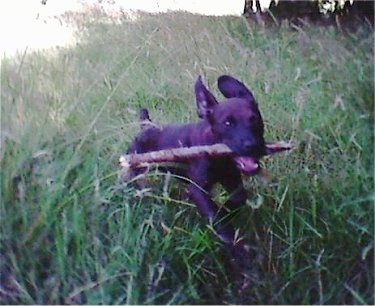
(70, 233)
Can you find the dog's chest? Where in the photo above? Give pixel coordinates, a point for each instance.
(221, 167)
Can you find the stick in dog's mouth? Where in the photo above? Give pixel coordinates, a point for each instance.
(247, 164)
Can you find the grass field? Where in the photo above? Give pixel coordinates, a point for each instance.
(70, 233)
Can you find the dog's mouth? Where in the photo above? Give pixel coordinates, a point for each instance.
(248, 165)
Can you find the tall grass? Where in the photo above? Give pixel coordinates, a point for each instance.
(71, 233)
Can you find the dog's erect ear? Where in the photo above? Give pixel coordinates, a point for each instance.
(232, 88)
(205, 100)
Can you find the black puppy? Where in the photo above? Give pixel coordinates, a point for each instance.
(236, 122)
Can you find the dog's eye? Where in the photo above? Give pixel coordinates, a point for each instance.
(228, 123)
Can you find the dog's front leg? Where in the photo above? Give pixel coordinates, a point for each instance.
(232, 183)
(208, 209)
(241, 253)
(199, 188)
(199, 192)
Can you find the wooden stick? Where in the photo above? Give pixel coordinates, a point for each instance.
(184, 154)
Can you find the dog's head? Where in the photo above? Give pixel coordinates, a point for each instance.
(236, 121)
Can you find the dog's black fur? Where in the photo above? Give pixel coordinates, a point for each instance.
(236, 122)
